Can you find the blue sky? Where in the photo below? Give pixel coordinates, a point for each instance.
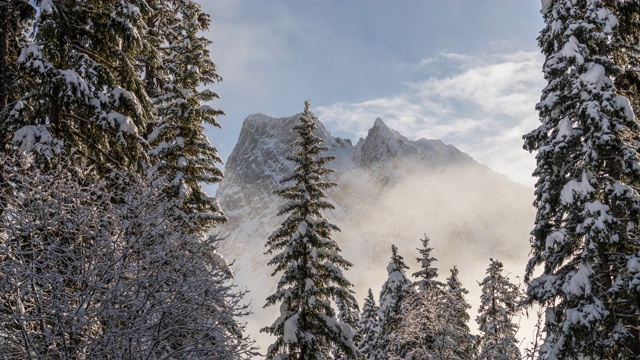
(464, 71)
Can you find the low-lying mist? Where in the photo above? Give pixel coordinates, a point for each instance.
(470, 213)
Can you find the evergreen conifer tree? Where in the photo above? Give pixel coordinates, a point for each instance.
(585, 238)
(79, 99)
(369, 328)
(428, 273)
(396, 289)
(309, 259)
(351, 317)
(499, 303)
(180, 147)
(457, 310)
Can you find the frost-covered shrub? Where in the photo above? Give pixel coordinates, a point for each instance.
(100, 269)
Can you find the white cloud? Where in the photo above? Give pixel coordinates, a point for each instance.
(483, 106)
(244, 47)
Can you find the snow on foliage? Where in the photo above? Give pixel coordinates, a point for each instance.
(395, 290)
(434, 325)
(27, 138)
(499, 304)
(309, 261)
(428, 273)
(98, 261)
(71, 77)
(585, 239)
(368, 327)
(177, 138)
(87, 272)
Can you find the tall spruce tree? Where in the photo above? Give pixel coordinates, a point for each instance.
(181, 149)
(457, 309)
(308, 258)
(428, 273)
(499, 304)
(351, 317)
(396, 289)
(585, 238)
(369, 328)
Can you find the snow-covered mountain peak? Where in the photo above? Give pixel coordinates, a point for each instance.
(382, 129)
(379, 123)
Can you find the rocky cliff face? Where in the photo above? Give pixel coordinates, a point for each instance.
(391, 190)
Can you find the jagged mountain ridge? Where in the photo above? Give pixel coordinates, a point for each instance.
(390, 190)
(259, 157)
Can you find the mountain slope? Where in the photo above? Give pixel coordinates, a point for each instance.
(390, 190)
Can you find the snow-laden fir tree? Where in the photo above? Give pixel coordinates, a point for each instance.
(395, 290)
(585, 239)
(349, 316)
(428, 273)
(85, 277)
(308, 259)
(81, 86)
(368, 328)
(14, 25)
(457, 309)
(499, 304)
(424, 331)
(180, 147)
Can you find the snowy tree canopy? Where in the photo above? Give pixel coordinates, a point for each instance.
(102, 214)
(81, 85)
(457, 309)
(369, 327)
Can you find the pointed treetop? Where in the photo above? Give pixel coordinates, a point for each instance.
(454, 282)
(397, 261)
(369, 328)
(427, 274)
(369, 297)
